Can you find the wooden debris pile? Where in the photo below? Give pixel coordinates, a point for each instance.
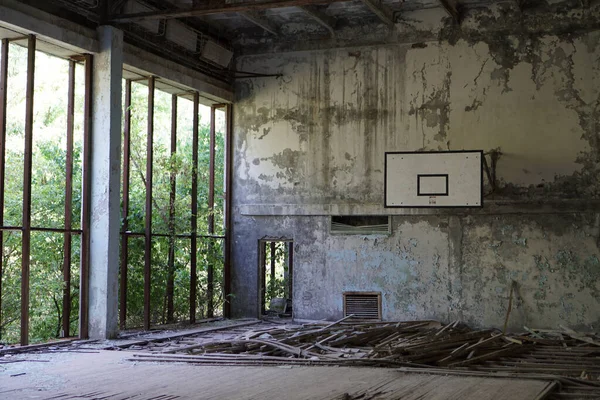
(412, 343)
(565, 356)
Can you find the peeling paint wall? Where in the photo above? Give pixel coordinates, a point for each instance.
(315, 139)
(442, 267)
(553, 259)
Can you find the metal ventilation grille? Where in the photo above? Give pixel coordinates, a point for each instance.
(360, 224)
(363, 305)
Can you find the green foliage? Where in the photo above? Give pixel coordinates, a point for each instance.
(48, 200)
(165, 164)
(276, 285)
(48, 205)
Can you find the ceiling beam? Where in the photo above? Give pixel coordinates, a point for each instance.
(217, 7)
(256, 19)
(385, 14)
(453, 9)
(104, 9)
(117, 5)
(323, 19)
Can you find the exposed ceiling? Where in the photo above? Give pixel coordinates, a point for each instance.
(205, 34)
(273, 18)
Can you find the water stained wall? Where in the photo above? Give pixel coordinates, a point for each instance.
(311, 144)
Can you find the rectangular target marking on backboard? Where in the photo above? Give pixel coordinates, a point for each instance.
(434, 179)
(432, 184)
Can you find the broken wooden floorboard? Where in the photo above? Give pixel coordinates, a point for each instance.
(427, 345)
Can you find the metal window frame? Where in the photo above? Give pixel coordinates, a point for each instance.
(26, 227)
(148, 234)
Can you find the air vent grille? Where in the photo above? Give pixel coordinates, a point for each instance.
(364, 305)
(360, 224)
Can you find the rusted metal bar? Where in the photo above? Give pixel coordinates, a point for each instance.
(211, 215)
(286, 271)
(272, 280)
(194, 206)
(173, 183)
(84, 285)
(66, 314)
(3, 101)
(27, 167)
(263, 276)
(125, 212)
(166, 235)
(38, 229)
(148, 222)
(290, 282)
(228, 209)
(211, 172)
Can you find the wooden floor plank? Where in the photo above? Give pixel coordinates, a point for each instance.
(74, 375)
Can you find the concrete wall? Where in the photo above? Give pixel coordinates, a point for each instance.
(311, 144)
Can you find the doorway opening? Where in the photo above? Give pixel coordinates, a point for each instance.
(276, 267)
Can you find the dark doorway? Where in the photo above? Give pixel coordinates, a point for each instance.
(276, 276)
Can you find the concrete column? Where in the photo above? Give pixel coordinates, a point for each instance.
(105, 185)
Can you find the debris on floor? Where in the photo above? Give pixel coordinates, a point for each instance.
(569, 357)
(105, 376)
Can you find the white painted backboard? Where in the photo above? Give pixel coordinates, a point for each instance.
(434, 179)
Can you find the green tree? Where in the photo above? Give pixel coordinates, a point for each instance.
(48, 204)
(210, 251)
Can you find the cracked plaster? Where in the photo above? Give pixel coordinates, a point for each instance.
(318, 134)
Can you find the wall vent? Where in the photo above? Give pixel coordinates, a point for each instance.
(360, 224)
(364, 305)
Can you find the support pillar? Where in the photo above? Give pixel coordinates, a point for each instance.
(105, 185)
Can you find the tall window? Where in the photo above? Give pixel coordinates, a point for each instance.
(41, 151)
(172, 244)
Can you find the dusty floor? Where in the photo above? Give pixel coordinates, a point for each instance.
(178, 362)
(105, 374)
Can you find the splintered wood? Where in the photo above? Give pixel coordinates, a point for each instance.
(570, 357)
(414, 344)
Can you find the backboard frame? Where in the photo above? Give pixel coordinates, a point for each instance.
(385, 181)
